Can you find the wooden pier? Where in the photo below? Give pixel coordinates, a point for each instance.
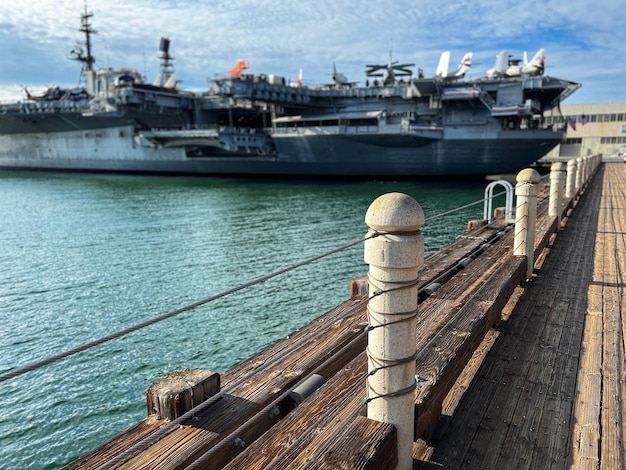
(550, 393)
(510, 373)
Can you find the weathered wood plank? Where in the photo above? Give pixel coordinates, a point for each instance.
(588, 393)
(118, 444)
(442, 363)
(297, 364)
(348, 310)
(444, 304)
(466, 377)
(532, 400)
(337, 401)
(611, 241)
(362, 445)
(219, 455)
(589, 390)
(554, 443)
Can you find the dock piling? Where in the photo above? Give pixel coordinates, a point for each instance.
(394, 251)
(176, 393)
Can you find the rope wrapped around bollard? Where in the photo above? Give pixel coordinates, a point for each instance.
(394, 261)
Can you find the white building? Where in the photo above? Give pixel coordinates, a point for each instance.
(593, 128)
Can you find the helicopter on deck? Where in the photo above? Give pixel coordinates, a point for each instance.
(390, 72)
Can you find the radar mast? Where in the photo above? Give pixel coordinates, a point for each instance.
(78, 52)
(167, 76)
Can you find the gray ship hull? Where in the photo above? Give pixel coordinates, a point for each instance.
(397, 156)
(372, 156)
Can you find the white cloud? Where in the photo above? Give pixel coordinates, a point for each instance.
(208, 38)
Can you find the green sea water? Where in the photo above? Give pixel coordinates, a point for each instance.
(84, 256)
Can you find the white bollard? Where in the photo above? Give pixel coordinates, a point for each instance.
(570, 189)
(557, 182)
(579, 175)
(394, 256)
(526, 190)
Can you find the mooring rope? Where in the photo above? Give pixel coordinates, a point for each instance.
(152, 321)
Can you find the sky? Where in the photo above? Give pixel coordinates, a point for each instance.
(584, 40)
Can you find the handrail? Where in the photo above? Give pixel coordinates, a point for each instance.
(488, 209)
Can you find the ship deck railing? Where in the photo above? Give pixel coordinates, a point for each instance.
(43, 107)
(326, 130)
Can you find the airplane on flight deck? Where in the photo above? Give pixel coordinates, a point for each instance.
(340, 80)
(507, 67)
(444, 61)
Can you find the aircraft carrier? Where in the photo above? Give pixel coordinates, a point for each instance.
(394, 125)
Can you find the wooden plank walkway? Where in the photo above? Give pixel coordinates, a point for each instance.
(550, 393)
